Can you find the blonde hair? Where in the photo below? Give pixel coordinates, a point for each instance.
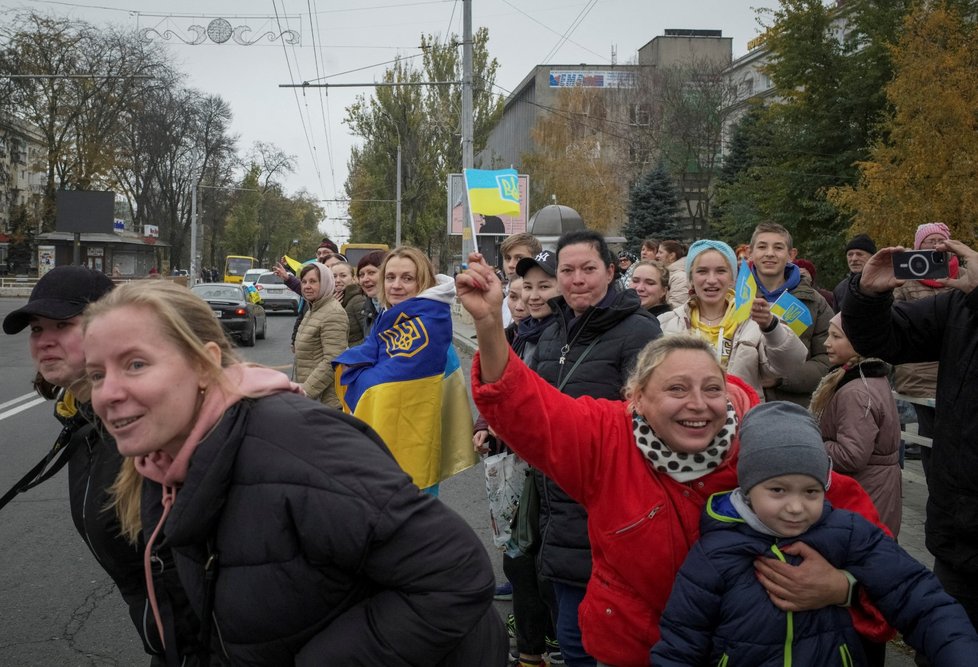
(422, 265)
(658, 266)
(187, 321)
(655, 353)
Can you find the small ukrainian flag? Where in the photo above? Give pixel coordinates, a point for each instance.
(493, 192)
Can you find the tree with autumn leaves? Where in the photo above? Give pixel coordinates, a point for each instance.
(925, 169)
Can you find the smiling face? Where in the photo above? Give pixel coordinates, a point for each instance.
(56, 349)
(400, 280)
(538, 288)
(712, 278)
(647, 283)
(370, 280)
(144, 389)
(582, 276)
(788, 504)
(341, 277)
(770, 253)
(311, 283)
(685, 400)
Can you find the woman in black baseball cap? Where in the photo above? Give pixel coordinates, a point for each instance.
(53, 313)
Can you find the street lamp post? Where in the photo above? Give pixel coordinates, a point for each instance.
(397, 227)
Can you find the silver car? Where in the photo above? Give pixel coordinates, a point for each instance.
(275, 295)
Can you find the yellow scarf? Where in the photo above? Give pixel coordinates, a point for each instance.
(66, 407)
(719, 335)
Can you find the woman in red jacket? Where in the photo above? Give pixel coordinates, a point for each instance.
(642, 469)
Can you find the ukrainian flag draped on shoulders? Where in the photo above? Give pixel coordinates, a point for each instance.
(406, 382)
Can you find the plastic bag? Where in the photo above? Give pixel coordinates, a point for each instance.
(505, 475)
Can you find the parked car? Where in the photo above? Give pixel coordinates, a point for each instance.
(251, 275)
(240, 318)
(275, 295)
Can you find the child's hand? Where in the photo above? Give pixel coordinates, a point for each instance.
(813, 584)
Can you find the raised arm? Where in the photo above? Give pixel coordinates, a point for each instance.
(481, 294)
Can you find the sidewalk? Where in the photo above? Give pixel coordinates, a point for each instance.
(914, 494)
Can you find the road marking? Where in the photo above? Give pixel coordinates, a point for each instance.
(18, 400)
(20, 408)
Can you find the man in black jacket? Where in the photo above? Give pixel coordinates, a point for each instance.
(942, 328)
(54, 315)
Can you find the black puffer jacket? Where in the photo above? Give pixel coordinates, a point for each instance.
(92, 469)
(622, 328)
(328, 554)
(941, 328)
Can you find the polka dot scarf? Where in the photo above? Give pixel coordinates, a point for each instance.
(680, 466)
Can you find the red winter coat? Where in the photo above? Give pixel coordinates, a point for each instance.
(641, 523)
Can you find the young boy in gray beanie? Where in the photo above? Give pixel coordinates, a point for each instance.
(718, 613)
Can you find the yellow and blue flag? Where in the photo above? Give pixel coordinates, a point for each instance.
(493, 192)
(792, 312)
(745, 291)
(406, 382)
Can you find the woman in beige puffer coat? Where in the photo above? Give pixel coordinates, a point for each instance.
(322, 335)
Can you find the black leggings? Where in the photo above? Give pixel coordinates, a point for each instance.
(532, 601)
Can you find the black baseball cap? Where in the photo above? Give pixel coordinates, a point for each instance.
(60, 294)
(546, 260)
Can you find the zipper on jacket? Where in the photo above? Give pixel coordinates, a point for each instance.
(88, 488)
(789, 635)
(846, 656)
(636, 524)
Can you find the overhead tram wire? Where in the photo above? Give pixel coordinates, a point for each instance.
(302, 120)
(547, 27)
(570, 30)
(323, 104)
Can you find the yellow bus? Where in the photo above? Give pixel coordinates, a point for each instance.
(354, 252)
(235, 267)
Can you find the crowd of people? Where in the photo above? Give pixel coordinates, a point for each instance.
(709, 481)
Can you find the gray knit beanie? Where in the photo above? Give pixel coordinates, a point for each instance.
(780, 438)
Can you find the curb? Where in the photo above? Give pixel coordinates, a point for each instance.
(465, 342)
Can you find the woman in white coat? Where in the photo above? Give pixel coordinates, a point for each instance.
(757, 349)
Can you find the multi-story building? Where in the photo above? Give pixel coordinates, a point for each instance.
(22, 156)
(538, 94)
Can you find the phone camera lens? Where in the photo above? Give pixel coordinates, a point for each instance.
(918, 265)
(939, 258)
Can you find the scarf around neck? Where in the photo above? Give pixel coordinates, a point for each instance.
(243, 381)
(721, 335)
(681, 466)
(250, 381)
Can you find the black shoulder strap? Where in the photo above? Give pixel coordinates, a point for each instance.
(53, 461)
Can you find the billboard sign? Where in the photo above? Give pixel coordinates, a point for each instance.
(591, 79)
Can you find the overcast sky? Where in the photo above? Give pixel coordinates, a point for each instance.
(338, 36)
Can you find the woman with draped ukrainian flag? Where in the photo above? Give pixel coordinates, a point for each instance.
(405, 380)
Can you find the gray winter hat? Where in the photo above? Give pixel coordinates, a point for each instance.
(780, 438)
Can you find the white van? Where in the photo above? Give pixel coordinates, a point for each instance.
(251, 276)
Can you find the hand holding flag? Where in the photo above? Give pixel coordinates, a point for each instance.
(745, 290)
(792, 312)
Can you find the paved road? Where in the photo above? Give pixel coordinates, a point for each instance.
(56, 605)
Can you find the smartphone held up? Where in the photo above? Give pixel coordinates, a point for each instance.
(920, 265)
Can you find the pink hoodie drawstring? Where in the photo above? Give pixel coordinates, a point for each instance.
(169, 496)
